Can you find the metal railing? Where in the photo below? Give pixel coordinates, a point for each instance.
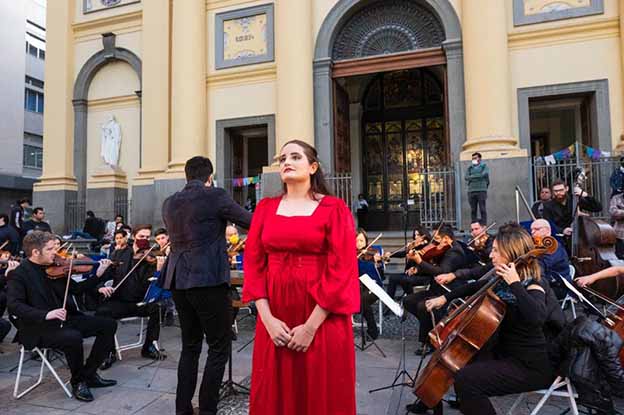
(341, 185)
(434, 198)
(598, 173)
(76, 212)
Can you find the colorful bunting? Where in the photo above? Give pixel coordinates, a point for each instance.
(245, 181)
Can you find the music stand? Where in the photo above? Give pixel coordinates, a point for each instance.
(228, 387)
(398, 311)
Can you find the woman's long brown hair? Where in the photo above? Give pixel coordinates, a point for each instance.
(513, 241)
(318, 185)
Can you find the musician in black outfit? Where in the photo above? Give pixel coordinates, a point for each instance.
(518, 361)
(407, 280)
(558, 210)
(450, 261)
(198, 273)
(36, 301)
(124, 301)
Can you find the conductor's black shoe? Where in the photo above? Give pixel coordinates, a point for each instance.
(152, 353)
(97, 382)
(417, 408)
(81, 392)
(108, 362)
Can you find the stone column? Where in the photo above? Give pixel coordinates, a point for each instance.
(294, 55)
(56, 189)
(487, 79)
(155, 108)
(188, 94)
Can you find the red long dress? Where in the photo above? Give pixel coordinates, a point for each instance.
(296, 263)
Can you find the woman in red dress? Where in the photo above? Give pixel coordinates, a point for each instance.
(301, 270)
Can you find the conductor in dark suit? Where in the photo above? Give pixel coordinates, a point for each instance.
(197, 272)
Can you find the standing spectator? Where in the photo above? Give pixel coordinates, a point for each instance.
(617, 179)
(8, 233)
(538, 207)
(17, 214)
(93, 226)
(112, 227)
(616, 210)
(478, 178)
(36, 222)
(362, 211)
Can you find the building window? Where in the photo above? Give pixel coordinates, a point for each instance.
(34, 82)
(35, 51)
(41, 54)
(33, 101)
(33, 156)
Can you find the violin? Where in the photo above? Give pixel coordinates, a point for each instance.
(367, 254)
(235, 245)
(431, 251)
(61, 266)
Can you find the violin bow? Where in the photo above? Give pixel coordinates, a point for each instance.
(369, 245)
(470, 242)
(603, 298)
(69, 274)
(137, 264)
(4, 244)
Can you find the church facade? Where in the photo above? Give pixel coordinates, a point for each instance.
(395, 94)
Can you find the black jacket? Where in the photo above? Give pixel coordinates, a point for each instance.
(561, 215)
(588, 356)
(30, 296)
(31, 225)
(478, 262)
(451, 261)
(8, 233)
(196, 218)
(135, 286)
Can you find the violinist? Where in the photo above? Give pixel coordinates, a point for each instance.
(8, 233)
(5, 325)
(420, 238)
(122, 301)
(518, 361)
(41, 321)
(161, 236)
(451, 260)
(479, 251)
(367, 299)
(234, 247)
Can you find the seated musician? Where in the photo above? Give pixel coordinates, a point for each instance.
(477, 256)
(407, 280)
(36, 301)
(611, 272)
(558, 210)
(555, 266)
(451, 260)
(367, 298)
(161, 236)
(234, 247)
(5, 325)
(124, 301)
(519, 360)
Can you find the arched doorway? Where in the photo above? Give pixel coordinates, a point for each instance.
(404, 146)
(406, 46)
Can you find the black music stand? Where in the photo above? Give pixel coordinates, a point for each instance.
(228, 387)
(363, 345)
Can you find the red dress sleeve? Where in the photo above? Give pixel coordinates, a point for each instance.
(255, 260)
(338, 290)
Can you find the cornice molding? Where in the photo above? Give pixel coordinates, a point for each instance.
(597, 29)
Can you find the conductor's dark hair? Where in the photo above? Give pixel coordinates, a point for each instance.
(198, 168)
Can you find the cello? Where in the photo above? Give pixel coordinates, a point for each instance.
(593, 248)
(465, 331)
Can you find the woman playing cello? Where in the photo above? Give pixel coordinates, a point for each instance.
(518, 361)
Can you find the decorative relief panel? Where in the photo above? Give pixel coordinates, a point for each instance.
(388, 26)
(89, 6)
(244, 36)
(538, 11)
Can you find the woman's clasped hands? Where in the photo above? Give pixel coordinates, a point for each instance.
(297, 339)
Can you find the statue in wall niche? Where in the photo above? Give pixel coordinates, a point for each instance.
(111, 142)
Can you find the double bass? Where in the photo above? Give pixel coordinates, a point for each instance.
(593, 248)
(461, 334)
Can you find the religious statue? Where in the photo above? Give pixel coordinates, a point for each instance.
(111, 142)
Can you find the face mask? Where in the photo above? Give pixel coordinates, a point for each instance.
(622, 169)
(475, 162)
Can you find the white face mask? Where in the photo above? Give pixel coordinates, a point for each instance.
(475, 162)
(622, 169)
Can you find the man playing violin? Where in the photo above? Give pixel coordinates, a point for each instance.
(36, 301)
(161, 236)
(478, 256)
(450, 260)
(123, 300)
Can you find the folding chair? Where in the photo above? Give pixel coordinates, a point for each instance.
(554, 390)
(570, 299)
(42, 352)
(139, 343)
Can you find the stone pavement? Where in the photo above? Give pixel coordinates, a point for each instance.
(151, 390)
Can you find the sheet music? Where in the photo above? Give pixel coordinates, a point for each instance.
(382, 295)
(580, 295)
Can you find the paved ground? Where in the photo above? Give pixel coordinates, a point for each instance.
(151, 390)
